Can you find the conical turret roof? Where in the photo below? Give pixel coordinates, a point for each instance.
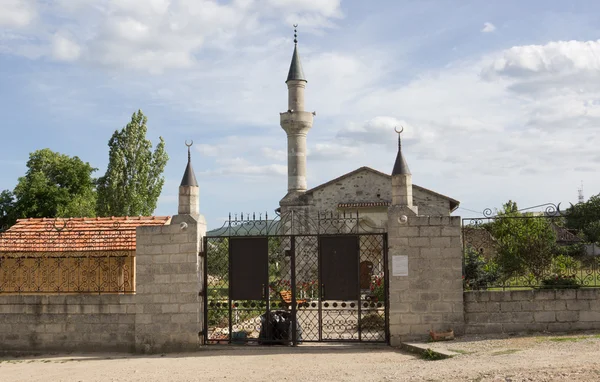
(296, 72)
(400, 166)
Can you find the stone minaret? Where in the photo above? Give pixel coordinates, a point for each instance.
(189, 192)
(296, 122)
(402, 181)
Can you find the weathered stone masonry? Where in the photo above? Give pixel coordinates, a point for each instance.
(431, 296)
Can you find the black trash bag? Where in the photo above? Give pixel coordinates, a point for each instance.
(275, 328)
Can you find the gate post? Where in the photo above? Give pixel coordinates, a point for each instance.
(425, 275)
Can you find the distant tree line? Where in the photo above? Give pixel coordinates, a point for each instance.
(57, 185)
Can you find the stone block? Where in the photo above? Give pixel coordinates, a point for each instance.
(500, 296)
(514, 328)
(478, 318)
(169, 249)
(589, 316)
(441, 242)
(477, 296)
(588, 294)
(566, 294)
(582, 305)
(162, 239)
(451, 231)
(429, 231)
(419, 307)
(419, 242)
(452, 297)
(430, 253)
(559, 327)
(408, 319)
(510, 306)
(441, 307)
(189, 308)
(521, 295)
(431, 318)
(567, 316)
(544, 316)
(430, 296)
(178, 258)
(522, 317)
(170, 308)
(555, 305)
(492, 307)
(544, 295)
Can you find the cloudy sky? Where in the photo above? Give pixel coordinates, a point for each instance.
(499, 99)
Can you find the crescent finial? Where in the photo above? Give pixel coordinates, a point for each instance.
(396, 129)
(189, 144)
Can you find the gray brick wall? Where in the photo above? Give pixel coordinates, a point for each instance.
(67, 323)
(532, 311)
(431, 296)
(168, 312)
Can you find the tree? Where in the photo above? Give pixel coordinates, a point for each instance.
(55, 185)
(526, 243)
(133, 180)
(585, 218)
(7, 209)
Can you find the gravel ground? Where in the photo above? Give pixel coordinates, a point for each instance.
(538, 358)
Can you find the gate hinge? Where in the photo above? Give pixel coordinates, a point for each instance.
(201, 254)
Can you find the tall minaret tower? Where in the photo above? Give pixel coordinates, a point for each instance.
(296, 122)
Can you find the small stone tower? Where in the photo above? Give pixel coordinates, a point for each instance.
(189, 192)
(296, 122)
(402, 180)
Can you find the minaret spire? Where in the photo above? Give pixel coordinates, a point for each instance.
(402, 180)
(296, 122)
(400, 166)
(189, 192)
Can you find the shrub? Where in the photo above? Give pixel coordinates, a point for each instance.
(479, 273)
(560, 282)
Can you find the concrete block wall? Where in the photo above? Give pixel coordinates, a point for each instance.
(565, 310)
(168, 311)
(67, 323)
(431, 296)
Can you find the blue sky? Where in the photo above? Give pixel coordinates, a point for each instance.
(500, 99)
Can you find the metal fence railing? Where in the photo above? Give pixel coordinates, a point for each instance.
(546, 250)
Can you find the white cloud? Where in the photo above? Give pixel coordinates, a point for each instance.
(64, 49)
(16, 13)
(488, 27)
(242, 167)
(555, 58)
(159, 35)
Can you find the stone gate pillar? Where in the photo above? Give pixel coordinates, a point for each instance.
(428, 293)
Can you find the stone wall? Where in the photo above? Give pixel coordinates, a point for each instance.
(67, 323)
(368, 185)
(532, 311)
(164, 315)
(168, 313)
(430, 297)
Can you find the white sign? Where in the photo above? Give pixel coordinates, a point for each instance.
(399, 265)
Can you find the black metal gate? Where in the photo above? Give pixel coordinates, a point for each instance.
(295, 279)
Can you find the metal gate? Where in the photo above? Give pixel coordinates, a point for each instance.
(295, 279)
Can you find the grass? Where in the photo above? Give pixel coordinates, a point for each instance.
(572, 339)
(460, 351)
(430, 355)
(506, 352)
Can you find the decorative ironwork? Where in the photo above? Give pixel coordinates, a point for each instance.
(59, 259)
(543, 249)
(294, 289)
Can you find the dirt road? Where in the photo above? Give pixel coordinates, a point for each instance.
(539, 358)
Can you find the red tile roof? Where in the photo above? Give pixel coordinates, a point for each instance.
(363, 204)
(75, 234)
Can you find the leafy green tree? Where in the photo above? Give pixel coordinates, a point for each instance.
(133, 180)
(526, 244)
(585, 218)
(7, 209)
(55, 185)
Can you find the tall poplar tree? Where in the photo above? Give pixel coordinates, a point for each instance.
(133, 180)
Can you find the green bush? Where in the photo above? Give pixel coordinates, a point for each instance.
(560, 282)
(479, 273)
